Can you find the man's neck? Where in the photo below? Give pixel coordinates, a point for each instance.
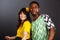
(36, 16)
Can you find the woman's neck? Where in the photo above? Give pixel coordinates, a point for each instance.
(22, 21)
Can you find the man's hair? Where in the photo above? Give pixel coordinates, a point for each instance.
(34, 2)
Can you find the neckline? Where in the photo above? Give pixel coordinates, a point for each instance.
(37, 18)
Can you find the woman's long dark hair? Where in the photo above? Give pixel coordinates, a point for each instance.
(27, 15)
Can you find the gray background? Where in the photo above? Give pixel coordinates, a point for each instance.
(9, 12)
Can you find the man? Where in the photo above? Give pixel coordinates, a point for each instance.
(42, 25)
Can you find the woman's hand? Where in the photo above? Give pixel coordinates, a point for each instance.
(24, 35)
(10, 38)
(7, 37)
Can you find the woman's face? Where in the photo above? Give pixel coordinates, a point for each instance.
(22, 16)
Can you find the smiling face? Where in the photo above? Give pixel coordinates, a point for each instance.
(34, 8)
(22, 16)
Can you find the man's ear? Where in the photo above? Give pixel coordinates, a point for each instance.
(38, 10)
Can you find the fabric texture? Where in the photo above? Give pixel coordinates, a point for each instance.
(49, 23)
(25, 28)
(39, 31)
(41, 26)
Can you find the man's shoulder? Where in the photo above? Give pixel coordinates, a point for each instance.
(45, 15)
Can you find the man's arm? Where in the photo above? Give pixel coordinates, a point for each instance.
(50, 26)
(51, 34)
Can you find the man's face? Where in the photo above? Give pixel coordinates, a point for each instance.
(34, 8)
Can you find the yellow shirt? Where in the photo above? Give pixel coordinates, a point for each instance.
(25, 28)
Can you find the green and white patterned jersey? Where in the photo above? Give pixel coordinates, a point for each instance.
(39, 29)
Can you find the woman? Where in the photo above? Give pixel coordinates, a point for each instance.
(24, 25)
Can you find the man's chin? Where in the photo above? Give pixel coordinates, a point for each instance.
(33, 14)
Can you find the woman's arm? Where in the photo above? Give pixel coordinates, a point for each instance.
(24, 35)
(9, 38)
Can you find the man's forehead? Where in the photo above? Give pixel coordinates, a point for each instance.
(34, 4)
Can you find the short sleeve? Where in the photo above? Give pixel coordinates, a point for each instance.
(49, 22)
(27, 26)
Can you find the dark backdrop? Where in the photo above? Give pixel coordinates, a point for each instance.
(9, 12)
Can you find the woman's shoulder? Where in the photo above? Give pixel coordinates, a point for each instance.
(27, 22)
